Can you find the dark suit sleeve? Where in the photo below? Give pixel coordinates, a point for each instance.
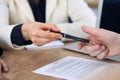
(16, 36)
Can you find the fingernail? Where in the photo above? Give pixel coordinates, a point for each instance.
(59, 36)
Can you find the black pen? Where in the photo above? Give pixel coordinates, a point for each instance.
(71, 37)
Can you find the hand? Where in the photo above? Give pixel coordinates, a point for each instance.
(39, 33)
(96, 50)
(3, 68)
(104, 43)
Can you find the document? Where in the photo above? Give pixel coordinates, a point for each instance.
(54, 44)
(70, 68)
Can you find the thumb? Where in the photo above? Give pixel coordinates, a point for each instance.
(91, 31)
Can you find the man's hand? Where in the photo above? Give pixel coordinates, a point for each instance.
(39, 33)
(104, 43)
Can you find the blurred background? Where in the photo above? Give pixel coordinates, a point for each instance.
(93, 4)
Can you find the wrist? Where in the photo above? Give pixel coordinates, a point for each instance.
(24, 31)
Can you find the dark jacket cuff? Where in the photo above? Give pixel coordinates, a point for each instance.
(16, 36)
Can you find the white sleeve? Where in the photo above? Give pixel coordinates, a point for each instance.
(5, 41)
(4, 13)
(81, 15)
(5, 28)
(5, 38)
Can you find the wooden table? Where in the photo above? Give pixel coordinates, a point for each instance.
(21, 64)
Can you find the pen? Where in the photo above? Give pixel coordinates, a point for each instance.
(71, 37)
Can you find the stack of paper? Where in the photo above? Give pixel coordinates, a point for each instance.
(54, 44)
(70, 68)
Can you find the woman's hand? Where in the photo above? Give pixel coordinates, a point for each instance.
(39, 33)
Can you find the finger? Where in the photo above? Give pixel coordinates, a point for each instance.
(45, 26)
(97, 52)
(4, 66)
(103, 55)
(91, 31)
(48, 35)
(81, 45)
(50, 27)
(91, 48)
(41, 41)
(93, 40)
(54, 28)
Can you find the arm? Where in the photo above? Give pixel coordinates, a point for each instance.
(37, 32)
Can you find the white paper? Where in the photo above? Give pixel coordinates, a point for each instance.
(54, 44)
(70, 68)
